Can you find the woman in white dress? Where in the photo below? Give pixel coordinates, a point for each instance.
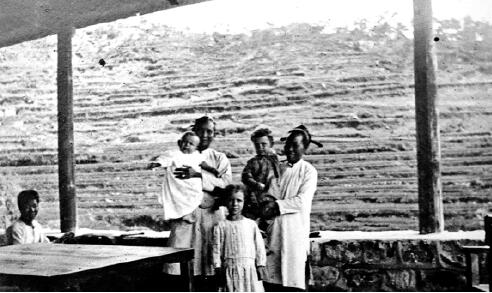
(288, 236)
(198, 235)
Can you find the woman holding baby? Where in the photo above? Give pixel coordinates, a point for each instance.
(195, 229)
(288, 212)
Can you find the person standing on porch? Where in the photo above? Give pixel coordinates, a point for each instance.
(238, 251)
(288, 237)
(26, 229)
(199, 234)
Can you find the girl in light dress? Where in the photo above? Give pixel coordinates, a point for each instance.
(238, 249)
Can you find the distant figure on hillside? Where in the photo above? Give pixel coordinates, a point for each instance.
(261, 175)
(288, 238)
(199, 234)
(238, 249)
(181, 197)
(26, 229)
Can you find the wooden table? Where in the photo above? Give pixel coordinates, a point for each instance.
(74, 267)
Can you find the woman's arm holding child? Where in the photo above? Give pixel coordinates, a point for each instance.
(210, 182)
(211, 169)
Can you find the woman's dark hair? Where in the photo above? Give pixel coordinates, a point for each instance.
(261, 132)
(306, 136)
(25, 196)
(200, 121)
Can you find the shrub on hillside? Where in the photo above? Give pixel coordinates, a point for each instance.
(466, 41)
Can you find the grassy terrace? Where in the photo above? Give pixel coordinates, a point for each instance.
(353, 89)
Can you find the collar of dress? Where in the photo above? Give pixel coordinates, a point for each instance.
(290, 165)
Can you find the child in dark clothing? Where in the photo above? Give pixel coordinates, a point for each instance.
(261, 174)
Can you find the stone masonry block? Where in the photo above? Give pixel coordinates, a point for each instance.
(327, 274)
(328, 278)
(419, 251)
(364, 279)
(389, 265)
(400, 280)
(347, 252)
(316, 249)
(378, 252)
(441, 280)
(452, 251)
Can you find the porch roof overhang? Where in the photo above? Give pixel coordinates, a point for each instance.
(25, 20)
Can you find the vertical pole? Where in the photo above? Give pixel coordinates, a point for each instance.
(66, 176)
(186, 268)
(431, 216)
(488, 241)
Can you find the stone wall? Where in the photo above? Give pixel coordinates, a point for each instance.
(413, 264)
(369, 261)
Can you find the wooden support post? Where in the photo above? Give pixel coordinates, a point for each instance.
(488, 241)
(431, 217)
(66, 176)
(186, 268)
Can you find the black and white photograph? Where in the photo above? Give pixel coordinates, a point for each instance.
(246, 145)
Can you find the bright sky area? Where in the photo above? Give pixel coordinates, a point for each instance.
(237, 16)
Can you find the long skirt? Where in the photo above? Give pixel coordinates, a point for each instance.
(197, 235)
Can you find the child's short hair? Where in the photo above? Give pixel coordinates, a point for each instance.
(261, 132)
(188, 133)
(25, 196)
(231, 189)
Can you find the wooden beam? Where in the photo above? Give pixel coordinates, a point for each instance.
(431, 216)
(24, 20)
(66, 176)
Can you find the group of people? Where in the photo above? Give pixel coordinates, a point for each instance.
(252, 236)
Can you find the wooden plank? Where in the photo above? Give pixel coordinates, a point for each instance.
(431, 216)
(476, 249)
(66, 176)
(48, 260)
(480, 288)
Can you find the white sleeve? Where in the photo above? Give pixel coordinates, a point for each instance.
(17, 235)
(260, 248)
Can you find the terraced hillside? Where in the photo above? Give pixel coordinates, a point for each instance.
(354, 89)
